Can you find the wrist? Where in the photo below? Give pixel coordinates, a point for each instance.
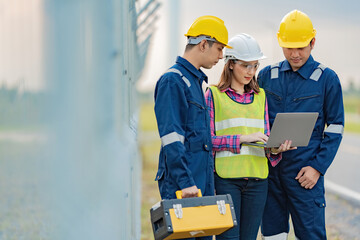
(274, 153)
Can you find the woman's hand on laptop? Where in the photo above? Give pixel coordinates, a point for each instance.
(254, 137)
(286, 146)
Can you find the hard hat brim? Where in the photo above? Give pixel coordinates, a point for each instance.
(293, 44)
(225, 45)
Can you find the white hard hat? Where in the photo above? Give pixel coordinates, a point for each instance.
(245, 48)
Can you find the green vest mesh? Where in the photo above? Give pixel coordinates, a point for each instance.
(232, 118)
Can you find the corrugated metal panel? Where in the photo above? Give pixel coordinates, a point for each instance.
(95, 62)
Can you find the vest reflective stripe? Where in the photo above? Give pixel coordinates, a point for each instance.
(317, 72)
(174, 70)
(335, 128)
(172, 137)
(232, 118)
(245, 150)
(236, 122)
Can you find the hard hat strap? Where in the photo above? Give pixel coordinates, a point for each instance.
(227, 58)
(198, 39)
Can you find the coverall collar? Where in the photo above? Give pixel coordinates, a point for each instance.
(305, 71)
(197, 73)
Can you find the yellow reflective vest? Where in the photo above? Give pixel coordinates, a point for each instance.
(232, 118)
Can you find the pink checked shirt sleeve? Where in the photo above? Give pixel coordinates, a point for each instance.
(274, 159)
(224, 142)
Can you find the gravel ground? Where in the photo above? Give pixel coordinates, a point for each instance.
(23, 212)
(342, 217)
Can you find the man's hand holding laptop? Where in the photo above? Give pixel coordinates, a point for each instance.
(286, 146)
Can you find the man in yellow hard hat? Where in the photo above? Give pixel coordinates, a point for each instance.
(185, 161)
(300, 84)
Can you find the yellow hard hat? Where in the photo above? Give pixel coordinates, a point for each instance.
(210, 26)
(296, 30)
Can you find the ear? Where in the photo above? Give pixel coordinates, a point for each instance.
(231, 65)
(312, 44)
(203, 45)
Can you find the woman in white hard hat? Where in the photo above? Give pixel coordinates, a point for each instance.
(238, 114)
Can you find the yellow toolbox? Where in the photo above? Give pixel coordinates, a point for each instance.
(192, 217)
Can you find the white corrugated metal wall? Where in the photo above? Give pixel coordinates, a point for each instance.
(94, 62)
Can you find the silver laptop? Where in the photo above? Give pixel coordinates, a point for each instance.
(294, 126)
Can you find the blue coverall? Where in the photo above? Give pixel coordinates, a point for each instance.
(312, 88)
(184, 128)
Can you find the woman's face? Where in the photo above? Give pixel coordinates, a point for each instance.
(243, 72)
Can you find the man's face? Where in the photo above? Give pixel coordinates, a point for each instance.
(213, 54)
(297, 57)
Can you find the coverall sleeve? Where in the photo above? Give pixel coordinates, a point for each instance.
(334, 119)
(171, 110)
(260, 78)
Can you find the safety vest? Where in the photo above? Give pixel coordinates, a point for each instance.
(232, 118)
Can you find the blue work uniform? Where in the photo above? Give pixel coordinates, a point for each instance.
(312, 88)
(184, 127)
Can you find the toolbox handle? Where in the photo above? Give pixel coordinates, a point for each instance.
(179, 194)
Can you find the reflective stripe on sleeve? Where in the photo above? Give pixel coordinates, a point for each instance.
(322, 66)
(280, 236)
(174, 70)
(317, 72)
(275, 71)
(335, 128)
(239, 122)
(172, 137)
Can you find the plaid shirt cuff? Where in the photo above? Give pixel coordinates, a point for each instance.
(274, 159)
(236, 140)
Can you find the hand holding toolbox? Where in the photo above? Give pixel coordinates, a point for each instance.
(192, 217)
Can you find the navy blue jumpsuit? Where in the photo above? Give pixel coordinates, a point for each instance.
(183, 122)
(312, 88)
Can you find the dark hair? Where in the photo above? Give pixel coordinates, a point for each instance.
(226, 76)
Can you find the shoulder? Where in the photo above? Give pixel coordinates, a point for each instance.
(265, 70)
(328, 74)
(174, 76)
(264, 75)
(210, 91)
(262, 91)
(212, 88)
(214, 91)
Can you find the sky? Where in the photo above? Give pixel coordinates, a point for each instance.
(337, 41)
(21, 44)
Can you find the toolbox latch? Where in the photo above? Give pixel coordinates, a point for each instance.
(221, 206)
(178, 210)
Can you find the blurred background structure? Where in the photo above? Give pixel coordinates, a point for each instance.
(78, 136)
(70, 167)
